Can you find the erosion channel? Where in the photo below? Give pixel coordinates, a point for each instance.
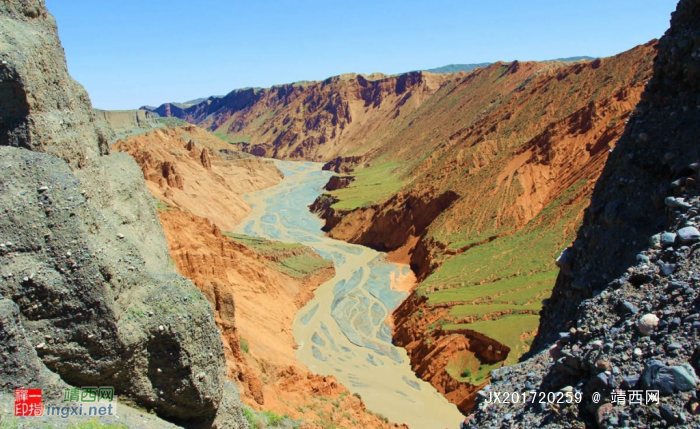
(344, 330)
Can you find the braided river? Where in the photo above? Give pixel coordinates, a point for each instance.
(343, 330)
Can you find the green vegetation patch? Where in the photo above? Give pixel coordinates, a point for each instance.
(95, 424)
(162, 206)
(524, 297)
(510, 330)
(522, 254)
(293, 259)
(493, 291)
(262, 244)
(267, 419)
(302, 265)
(171, 121)
(467, 368)
(244, 345)
(372, 184)
(460, 311)
(500, 285)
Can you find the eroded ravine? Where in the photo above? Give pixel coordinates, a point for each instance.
(343, 330)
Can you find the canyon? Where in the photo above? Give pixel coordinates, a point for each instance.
(255, 286)
(482, 230)
(476, 180)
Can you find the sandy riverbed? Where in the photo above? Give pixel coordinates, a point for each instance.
(343, 330)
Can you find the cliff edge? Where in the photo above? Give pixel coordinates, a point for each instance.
(623, 316)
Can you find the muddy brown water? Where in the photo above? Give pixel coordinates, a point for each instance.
(343, 330)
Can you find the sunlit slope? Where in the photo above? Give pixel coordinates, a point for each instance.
(478, 179)
(493, 173)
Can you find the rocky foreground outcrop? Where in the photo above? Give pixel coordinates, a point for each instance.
(88, 297)
(624, 314)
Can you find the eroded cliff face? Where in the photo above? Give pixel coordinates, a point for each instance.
(88, 297)
(255, 304)
(121, 123)
(315, 121)
(440, 357)
(185, 166)
(43, 108)
(248, 296)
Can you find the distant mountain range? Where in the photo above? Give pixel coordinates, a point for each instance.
(448, 69)
(456, 68)
(183, 105)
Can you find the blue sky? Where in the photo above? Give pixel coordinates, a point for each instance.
(128, 53)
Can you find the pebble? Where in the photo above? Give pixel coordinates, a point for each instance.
(689, 234)
(629, 308)
(603, 365)
(667, 414)
(655, 240)
(43, 189)
(676, 203)
(642, 258)
(667, 239)
(667, 380)
(565, 260)
(684, 377)
(647, 323)
(120, 236)
(675, 322)
(674, 285)
(629, 383)
(668, 269)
